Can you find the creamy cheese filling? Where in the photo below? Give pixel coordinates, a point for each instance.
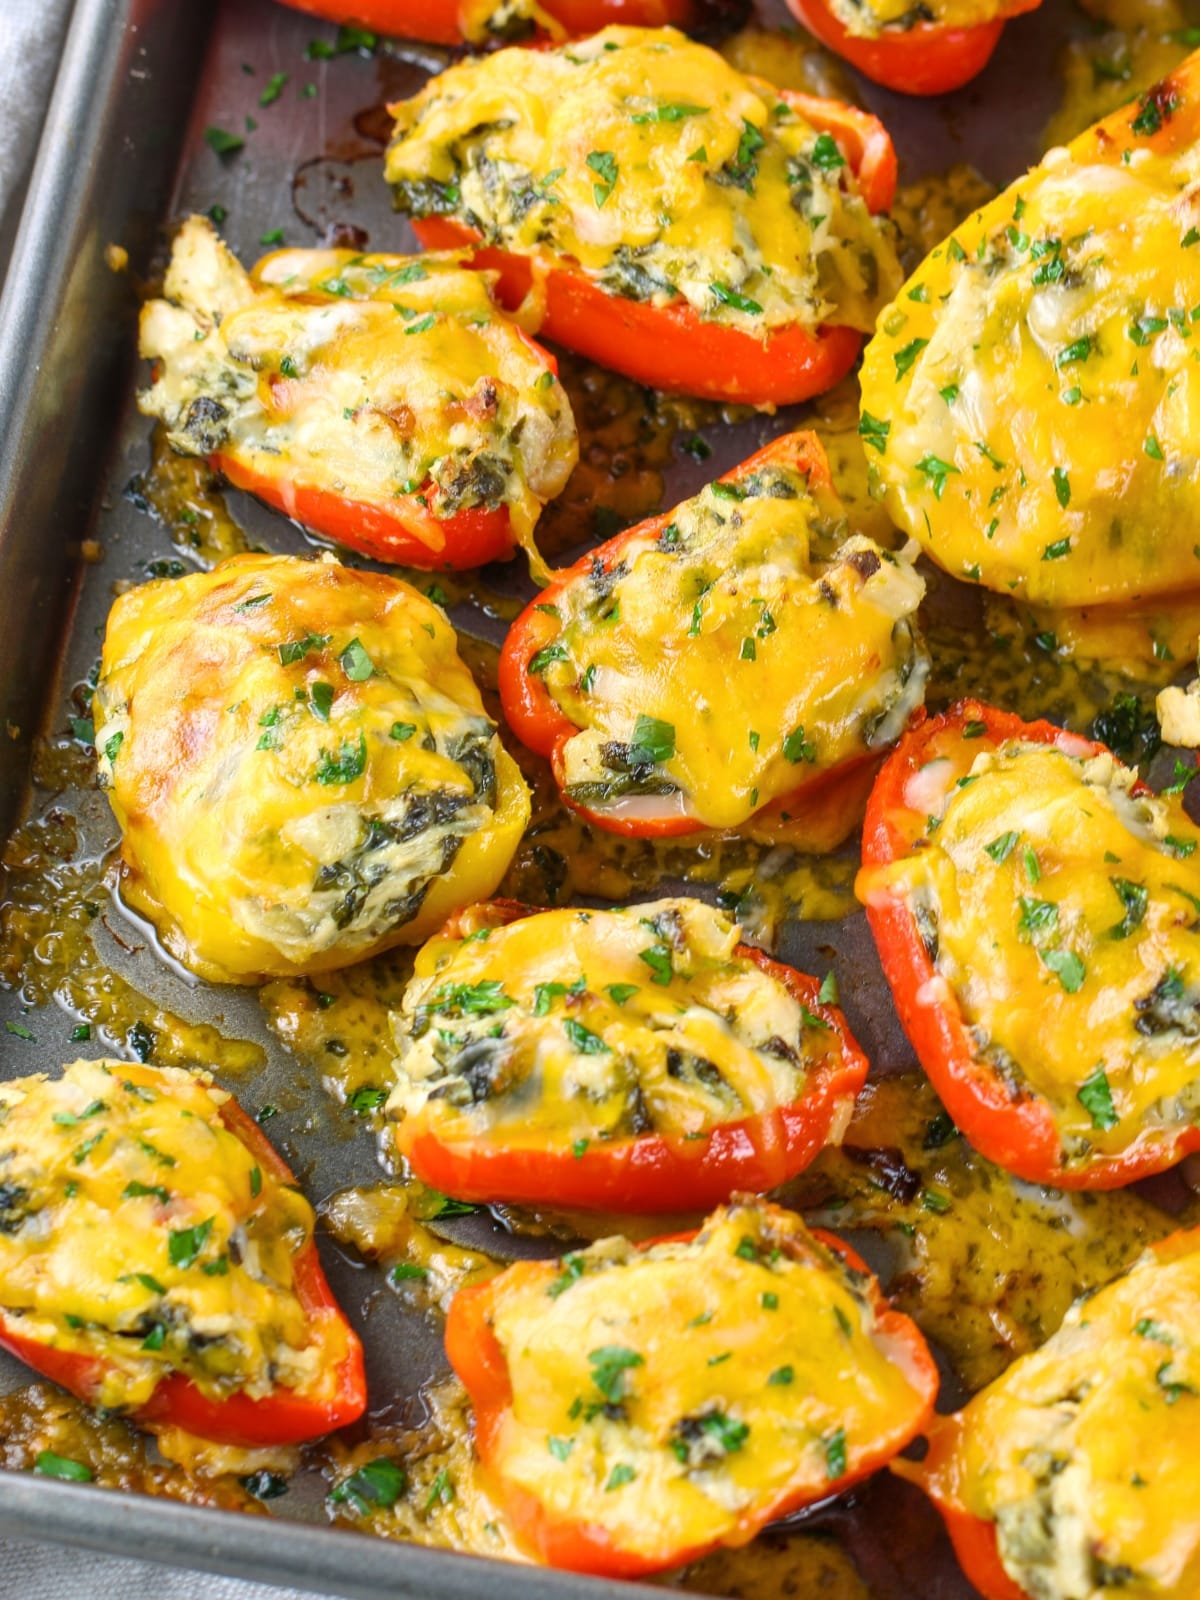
(749, 646)
(663, 172)
(600, 1025)
(134, 1226)
(1064, 913)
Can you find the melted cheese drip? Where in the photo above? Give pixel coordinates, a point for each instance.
(1084, 1454)
(1091, 960)
(138, 1228)
(368, 377)
(795, 1392)
(658, 168)
(769, 662)
(1038, 380)
(679, 1035)
(284, 816)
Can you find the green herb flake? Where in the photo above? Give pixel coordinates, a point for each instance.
(184, 1245)
(1095, 1096)
(222, 142)
(905, 358)
(49, 1465)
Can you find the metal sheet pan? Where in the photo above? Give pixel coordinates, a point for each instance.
(123, 154)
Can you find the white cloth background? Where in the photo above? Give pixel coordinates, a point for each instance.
(31, 35)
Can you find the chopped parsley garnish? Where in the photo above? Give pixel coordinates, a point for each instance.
(296, 649)
(604, 164)
(184, 1245)
(349, 763)
(676, 111)
(826, 155)
(904, 358)
(653, 741)
(542, 659)
(1066, 967)
(796, 747)
(835, 1454)
(376, 1486)
(936, 471)
(731, 297)
(872, 431)
(1095, 1096)
(609, 1365)
(584, 1040)
(660, 961)
(222, 142)
(1062, 491)
(49, 1465)
(1134, 897)
(620, 1475)
(356, 663)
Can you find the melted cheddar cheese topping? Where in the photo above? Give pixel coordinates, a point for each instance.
(599, 1025)
(665, 1394)
(1029, 398)
(1083, 1455)
(732, 656)
(371, 377)
(661, 171)
(868, 19)
(1063, 912)
(300, 763)
(135, 1227)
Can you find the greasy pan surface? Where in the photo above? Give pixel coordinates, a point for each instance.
(142, 83)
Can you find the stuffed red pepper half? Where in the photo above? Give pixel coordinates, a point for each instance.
(724, 664)
(1037, 913)
(658, 211)
(383, 401)
(1076, 1473)
(636, 1408)
(157, 1259)
(635, 1060)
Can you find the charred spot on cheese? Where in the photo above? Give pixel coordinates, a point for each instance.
(1088, 898)
(868, 19)
(147, 1235)
(372, 377)
(601, 1025)
(1036, 375)
(750, 645)
(713, 1376)
(666, 174)
(1082, 1455)
(300, 763)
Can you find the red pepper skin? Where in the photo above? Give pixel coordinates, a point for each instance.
(467, 539)
(539, 723)
(672, 347)
(929, 58)
(1018, 1135)
(651, 1173)
(476, 1356)
(285, 1417)
(440, 21)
